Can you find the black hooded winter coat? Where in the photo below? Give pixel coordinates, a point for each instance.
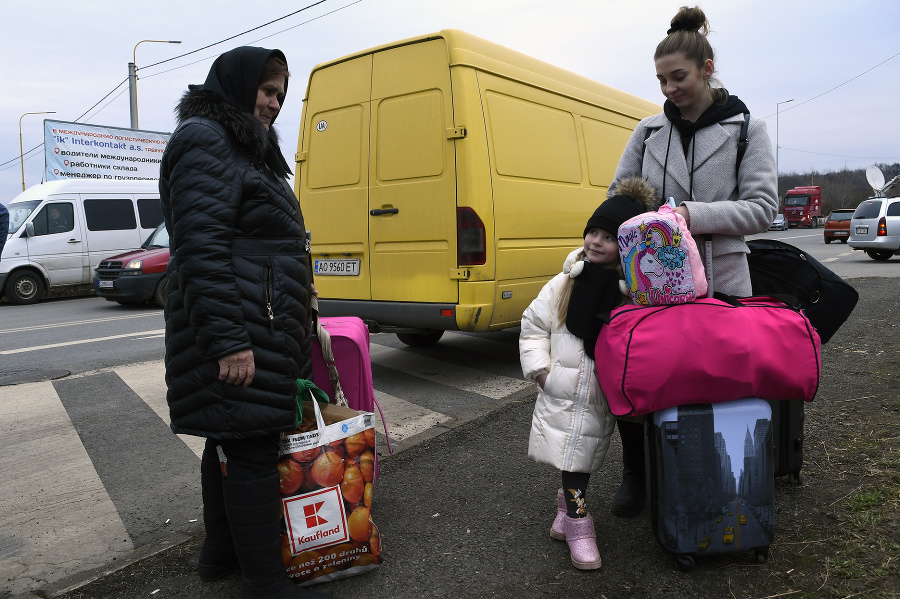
(239, 269)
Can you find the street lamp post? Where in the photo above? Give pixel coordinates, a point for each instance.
(132, 79)
(21, 153)
(777, 107)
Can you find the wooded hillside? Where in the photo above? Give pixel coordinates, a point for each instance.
(840, 189)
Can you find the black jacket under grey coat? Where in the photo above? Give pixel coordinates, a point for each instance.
(238, 274)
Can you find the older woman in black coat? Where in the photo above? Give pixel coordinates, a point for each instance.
(237, 310)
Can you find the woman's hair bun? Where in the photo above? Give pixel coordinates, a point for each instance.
(689, 19)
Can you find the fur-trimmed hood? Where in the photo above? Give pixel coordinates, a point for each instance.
(639, 190)
(258, 143)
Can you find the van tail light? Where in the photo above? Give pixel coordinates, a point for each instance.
(471, 249)
(882, 227)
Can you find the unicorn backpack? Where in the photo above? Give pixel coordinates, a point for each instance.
(661, 262)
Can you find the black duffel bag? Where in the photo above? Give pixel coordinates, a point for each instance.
(780, 268)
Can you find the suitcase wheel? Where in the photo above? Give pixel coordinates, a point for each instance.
(685, 563)
(762, 554)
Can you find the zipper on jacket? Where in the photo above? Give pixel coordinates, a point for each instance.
(269, 295)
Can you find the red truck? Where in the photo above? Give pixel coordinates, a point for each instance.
(803, 206)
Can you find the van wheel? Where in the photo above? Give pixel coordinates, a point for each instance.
(880, 255)
(420, 339)
(24, 287)
(827, 241)
(159, 294)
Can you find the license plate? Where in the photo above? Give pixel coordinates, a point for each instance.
(836, 233)
(862, 229)
(105, 284)
(337, 267)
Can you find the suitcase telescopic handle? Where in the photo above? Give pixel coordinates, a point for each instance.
(328, 354)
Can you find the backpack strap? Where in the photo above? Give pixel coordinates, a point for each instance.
(742, 142)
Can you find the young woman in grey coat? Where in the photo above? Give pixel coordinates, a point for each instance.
(689, 152)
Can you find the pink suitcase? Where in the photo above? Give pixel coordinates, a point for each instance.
(350, 346)
(346, 340)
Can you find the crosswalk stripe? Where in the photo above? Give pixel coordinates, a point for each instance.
(20, 350)
(404, 419)
(459, 377)
(148, 380)
(60, 483)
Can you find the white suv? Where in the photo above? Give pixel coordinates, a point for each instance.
(875, 228)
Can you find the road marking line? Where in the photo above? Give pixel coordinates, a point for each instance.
(405, 419)
(95, 339)
(148, 381)
(77, 322)
(53, 505)
(459, 377)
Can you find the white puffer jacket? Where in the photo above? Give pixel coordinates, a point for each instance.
(572, 423)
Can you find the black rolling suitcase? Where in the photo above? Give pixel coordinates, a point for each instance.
(787, 438)
(712, 487)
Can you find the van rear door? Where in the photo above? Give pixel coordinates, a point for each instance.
(412, 176)
(334, 176)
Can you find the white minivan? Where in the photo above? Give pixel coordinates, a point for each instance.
(60, 231)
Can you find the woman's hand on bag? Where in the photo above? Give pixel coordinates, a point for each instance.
(540, 379)
(238, 368)
(683, 211)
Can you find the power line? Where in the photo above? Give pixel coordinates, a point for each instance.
(799, 104)
(253, 42)
(202, 59)
(101, 99)
(838, 155)
(25, 157)
(237, 35)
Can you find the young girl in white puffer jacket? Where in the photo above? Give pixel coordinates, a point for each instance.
(572, 424)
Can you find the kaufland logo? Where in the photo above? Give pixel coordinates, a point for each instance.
(316, 519)
(311, 511)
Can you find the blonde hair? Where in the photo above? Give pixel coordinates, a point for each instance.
(689, 28)
(565, 292)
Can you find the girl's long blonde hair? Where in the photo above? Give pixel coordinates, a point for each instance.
(639, 190)
(565, 293)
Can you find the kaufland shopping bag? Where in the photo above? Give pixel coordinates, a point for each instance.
(327, 470)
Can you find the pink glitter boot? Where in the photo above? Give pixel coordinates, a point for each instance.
(582, 542)
(558, 530)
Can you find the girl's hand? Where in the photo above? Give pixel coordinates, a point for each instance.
(540, 380)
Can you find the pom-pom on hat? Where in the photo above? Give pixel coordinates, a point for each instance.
(633, 196)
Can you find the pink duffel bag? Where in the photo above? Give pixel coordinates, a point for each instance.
(706, 351)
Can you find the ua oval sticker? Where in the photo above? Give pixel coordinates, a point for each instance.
(321, 126)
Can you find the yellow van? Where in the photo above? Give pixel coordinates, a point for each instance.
(444, 179)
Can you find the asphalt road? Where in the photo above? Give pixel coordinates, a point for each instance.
(98, 347)
(466, 515)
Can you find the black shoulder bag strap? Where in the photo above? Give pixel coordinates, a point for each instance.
(742, 142)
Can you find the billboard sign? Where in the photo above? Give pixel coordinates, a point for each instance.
(80, 151)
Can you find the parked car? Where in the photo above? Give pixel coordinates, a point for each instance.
(60, 230)
(779, 224)
(138, 275)
(837, 225)
(875, 228)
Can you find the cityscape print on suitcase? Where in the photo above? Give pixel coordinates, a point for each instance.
(712, 487)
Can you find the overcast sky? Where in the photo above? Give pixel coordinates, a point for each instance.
(838, 61)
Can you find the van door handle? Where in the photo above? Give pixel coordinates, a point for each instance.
(380, 211)
(74, 241)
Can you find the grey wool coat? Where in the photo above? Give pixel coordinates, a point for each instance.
(721, 202)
